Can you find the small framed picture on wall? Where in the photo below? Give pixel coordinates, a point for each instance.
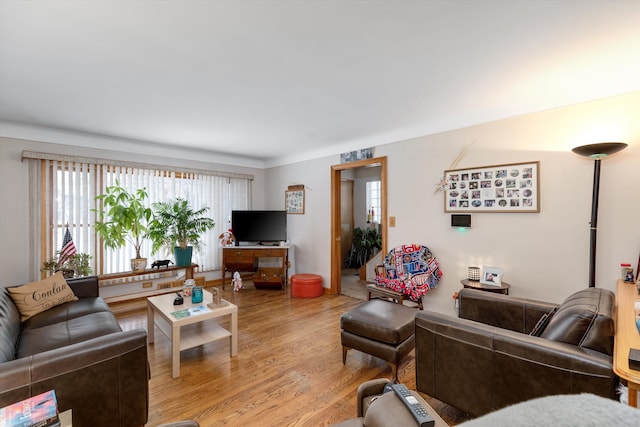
(294, 199)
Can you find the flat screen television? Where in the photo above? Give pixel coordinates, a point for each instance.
(259, 227)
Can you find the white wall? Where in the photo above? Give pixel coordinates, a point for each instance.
(544, 255)
(14, 189)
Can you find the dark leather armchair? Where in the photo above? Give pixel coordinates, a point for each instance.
(502, 350)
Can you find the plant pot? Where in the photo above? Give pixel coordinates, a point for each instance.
(183, 256)
(138, 264)
(68, 273)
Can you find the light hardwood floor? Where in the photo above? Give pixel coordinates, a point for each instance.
(288, 371)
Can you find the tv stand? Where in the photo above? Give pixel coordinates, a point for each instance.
(245, 258)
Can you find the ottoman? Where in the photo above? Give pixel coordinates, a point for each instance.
(380, 328)
(306, 285)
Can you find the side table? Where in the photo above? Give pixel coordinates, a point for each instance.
(473, 284)
(626, 338)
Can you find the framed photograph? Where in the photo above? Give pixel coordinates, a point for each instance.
(491, 276)
(353, 156)
(499, 188)
(294, 199)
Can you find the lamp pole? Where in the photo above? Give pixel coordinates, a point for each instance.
(597, 152)
(594, 223)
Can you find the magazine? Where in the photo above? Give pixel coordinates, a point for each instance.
(188, 312)
(36, 411)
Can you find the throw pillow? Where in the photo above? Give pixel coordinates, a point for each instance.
(36, 297)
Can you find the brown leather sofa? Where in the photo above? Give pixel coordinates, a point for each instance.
(79, 350)
(502, 350)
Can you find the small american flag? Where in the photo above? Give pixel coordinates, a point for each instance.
(68, 248)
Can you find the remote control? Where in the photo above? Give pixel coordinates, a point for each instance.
(417, 410)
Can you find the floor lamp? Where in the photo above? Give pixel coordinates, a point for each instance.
(596, 152)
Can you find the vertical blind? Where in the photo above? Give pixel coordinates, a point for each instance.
(63, 193)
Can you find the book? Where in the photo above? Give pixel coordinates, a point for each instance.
(187, 312)
(36, 411)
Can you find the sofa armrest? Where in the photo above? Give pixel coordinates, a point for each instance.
(84, 287)
(502, 311)
(480, 368)
(116, 362)
(365, 391)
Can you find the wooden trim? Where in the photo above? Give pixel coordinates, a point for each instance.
(335, 245)
(47, 233)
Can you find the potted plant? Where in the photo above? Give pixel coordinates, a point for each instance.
(178, 226)
(124, 218)
(74, 266)
(366, 243)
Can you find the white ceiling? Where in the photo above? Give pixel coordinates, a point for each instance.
(280, 81)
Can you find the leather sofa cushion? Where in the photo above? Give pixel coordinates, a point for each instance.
(48, 337)
(584, 319)
(9, 326)
(542, 323)
(380, 320)
(67, 311)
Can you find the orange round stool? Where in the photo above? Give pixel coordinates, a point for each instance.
(306, 285)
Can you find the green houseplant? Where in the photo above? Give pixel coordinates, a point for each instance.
(366, 243)
(177, 225)
(74, 266)
(124, 218)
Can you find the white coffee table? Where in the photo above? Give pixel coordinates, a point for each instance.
(191, 330)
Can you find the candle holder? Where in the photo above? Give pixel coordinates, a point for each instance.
(473, 273)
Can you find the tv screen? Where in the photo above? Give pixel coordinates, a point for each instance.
(259, 226)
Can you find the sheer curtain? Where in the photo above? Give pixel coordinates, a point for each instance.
(62, 194)
(63, 191)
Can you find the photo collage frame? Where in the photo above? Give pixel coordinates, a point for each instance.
(498, 188)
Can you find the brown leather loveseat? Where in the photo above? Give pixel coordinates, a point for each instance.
(79, 350)
(502, 350)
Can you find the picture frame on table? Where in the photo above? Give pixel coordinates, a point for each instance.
(513, 187)
(491, 276)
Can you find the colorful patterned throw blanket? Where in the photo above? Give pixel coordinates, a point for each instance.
(411, 270)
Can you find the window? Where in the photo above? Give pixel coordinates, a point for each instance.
(63, 195)
(373, 202)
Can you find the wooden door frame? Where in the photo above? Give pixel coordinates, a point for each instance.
(336, 255)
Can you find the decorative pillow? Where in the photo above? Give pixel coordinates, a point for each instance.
(36, 297)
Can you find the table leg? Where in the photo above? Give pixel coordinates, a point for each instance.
(633, 393)
(234, 332)
(150, 324)
(175, 351)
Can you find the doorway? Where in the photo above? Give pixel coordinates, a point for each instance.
(337, 255)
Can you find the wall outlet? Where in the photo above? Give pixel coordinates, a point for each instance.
(392, 221)
(147, 285)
